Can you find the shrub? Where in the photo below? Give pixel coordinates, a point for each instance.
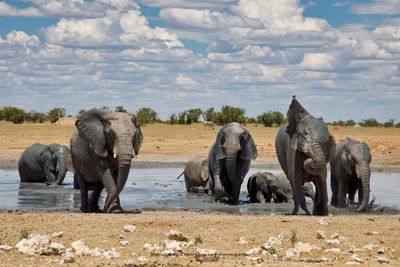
(13, 114)
(389, 123)
(209, 114)
(193, 115)
(272, 118)
(120, 109)
(55, 114)
(369, 123)
(146, 115)
(173, 119)
(230, 114)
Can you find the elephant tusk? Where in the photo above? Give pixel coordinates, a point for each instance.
(115, 156)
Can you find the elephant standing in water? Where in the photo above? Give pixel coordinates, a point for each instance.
(102, 149)
(229, 161)
(44, 164)
(350, 172)
(196, 175)
(303, 148)
(265, 186)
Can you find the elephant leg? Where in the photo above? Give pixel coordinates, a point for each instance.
(298, 194)
(260, 197)
(334, 187)
(360, 192)
(76, 184)
(235, 193)
(84, 192)
(321, 196)
(94, 198)
(283, 197)
(109, 184)
(352, 189)
(198, 190)
(342, 194)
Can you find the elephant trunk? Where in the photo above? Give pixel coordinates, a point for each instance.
(316, 164)
(61, 171)
(365, 174)
(233, 177)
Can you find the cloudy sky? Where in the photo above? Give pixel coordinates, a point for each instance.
(341, 58)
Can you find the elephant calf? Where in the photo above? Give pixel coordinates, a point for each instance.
(350, 172)
(196, 175)
(265, 186)
(44, 164)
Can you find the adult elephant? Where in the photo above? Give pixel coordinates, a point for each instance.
(350, 172)
(262, 187)
(44, 164)
(102, 149)
(303, 148)
(229, 161)
(196, 175)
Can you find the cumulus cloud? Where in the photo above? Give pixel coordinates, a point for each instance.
(9, 11)
(386, 7)
(318, 61)
(187, 4)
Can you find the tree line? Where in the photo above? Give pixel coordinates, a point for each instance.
(147, 115)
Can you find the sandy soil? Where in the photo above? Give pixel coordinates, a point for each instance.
(177, 143)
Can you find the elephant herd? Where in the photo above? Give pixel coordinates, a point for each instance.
(104, 143)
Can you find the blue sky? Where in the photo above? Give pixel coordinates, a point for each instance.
(341, 58)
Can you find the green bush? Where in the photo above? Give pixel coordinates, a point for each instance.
(209, 114)
(193, 115)
(55, 114)
(120, 109)
(34, 116)
(389, 123)
(272, 118)
(172, 119)
(230, 114)
(146, 115)
(13, 114)
(369, 123)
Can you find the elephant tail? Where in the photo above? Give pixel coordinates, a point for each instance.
(180, 175)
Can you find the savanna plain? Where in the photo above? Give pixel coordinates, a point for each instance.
(365, 239)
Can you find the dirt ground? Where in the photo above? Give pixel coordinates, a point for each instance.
(176, 144)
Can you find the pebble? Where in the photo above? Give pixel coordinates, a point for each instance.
(333, 242)
(305, 247)
(321, 235)
(272, 242)
(129, 228)
(5, 248)
(151, 247)
(57, 234)
(291, 253)
(39, 245)
(68, 258)
(381, 251)
(242, 240)
(332, 250)
(369, 246)
(323, 221)
(124, 243)
(142, 259)
(352, 263)
(176, 235)
(253, 251)
(382, 259)
(356, 258)
(207, 255)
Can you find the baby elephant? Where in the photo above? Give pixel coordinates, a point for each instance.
(196, 175)
(265, 186)
(44, 164)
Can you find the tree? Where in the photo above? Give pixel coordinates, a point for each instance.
(230, 114)
(193, 115)
(13, 114)
(56, 113)
(146, 115)
(182, 117)
(120, 109)
(369, 123)
(173, 119)
(272, 118)
(209, 114)
(350, 123)
(34, 116)
(389, 123)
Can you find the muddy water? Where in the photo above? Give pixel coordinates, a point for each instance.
(158, 188)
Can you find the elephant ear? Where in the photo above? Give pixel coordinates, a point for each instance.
(91, 129)
(138, 139)
(331, 148)
(249, 150)
(218, 146)
(295, 113)
(344, 159)
(47, 158)
(204, 170)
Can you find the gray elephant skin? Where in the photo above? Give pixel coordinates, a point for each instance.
(229, 161)
(102, 149)
(44, 164)
(263, 187)
(350, 171)
(303, 148)
(196, 175)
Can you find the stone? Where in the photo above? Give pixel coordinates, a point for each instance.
(5, 248)
(142, 259)
(332, 250)
(207, 255)
(369, 246)
(111, 254)
(257, 259)
(57, 234)
(352, 263)
(172, 245)
(37, 245)
(321, 235)
(305, 247)
(124, 243)
(321, 259)
(129, 228)
(356, 258)
(291, 253)
(381, 251)
(272, 241)
(382, 259)
(323, 221)
(333, 242)
(151, 247)
(187, 244)
(130, 263)
(253, 251)
(242, 240)
(81, 248)
(176, 235)
(68, 258)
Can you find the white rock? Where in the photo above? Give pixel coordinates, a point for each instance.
(57, 248)
(5, 248)
(142, 259)
(258, 259)
(207, 255)
(356, 258)
(369, 246)
(332, 250)
(111, 254)
(81, 248)
(253, 251)
(130, 263)
(291, 253)
(272, 241)
(168, 252)
(305, 247)
(124, 243)
(57, 234)
(151, 247)
(321, 259)
(352, 263)
(333, 242)
(68, 258)
(323, 221)
(172, 245)
(176, 235)
(38, 245)
(129, 228)
(242, 240)
(382, 259)
(321, 235)
(381, 251)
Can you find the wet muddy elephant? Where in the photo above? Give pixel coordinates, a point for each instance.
(262, 187)
(350, 171)
(44, 164)
(303, 148)
(102, 149)
(229, 161)
(196, 175)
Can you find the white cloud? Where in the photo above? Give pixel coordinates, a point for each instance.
(318, 61)
(187, 4)
(387, 7)
(9, 11)
(185, 81)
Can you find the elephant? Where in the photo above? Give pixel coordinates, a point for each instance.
(41, 163)
(303, 149)
(102, 148)
(229, 161)
(196, 175)
(265, 186)
(350, 171)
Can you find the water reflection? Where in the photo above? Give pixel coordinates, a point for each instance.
(158, 188)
